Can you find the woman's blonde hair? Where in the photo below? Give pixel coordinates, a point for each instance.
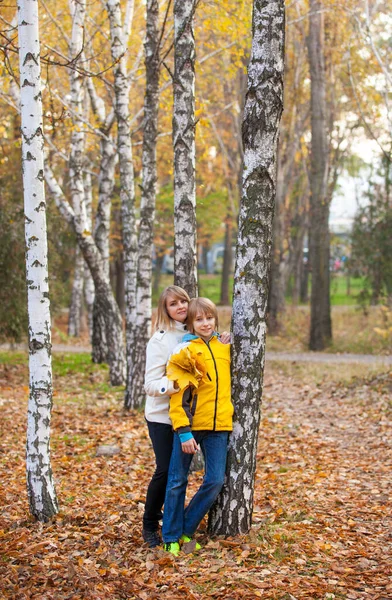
(203, 306)
(163, 321)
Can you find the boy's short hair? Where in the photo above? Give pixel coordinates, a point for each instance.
(203, 306)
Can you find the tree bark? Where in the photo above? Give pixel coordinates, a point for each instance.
(40, 486)
(232, 513)
(89, 290)
(227, 260)
(104, 295)
(119, 40)
(135, 394)
(276, 298)
(185, 244)
(320, 326)
(106, 180)
(76, 306)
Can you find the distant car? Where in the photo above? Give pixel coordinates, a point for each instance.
(168, 262)
(215, 259)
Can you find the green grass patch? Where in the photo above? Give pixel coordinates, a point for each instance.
(344, 290)
(69, 363)
(13, 358)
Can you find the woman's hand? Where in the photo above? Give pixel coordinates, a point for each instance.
(225, 337)
(190, 446)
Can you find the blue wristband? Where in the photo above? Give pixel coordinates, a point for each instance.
(185, 437)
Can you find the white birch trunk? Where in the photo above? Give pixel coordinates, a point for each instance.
(119, 40)
(113, 326)
(78, 12)
(135, 395)
(101, 237)
(232, 513)
(40, 486)
(106, 180)
(185, 243)
(89, 290)
(75, 309)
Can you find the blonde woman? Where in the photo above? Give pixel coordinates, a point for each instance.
(170, 328)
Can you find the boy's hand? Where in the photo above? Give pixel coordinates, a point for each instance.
(225, 337)
(190, 446)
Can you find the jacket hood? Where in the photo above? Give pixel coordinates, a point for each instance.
(189, 337)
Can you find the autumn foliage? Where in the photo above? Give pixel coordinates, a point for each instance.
(322, 519)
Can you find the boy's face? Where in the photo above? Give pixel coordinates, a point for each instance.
(204, 326)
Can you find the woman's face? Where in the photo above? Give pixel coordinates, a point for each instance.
(177, 308)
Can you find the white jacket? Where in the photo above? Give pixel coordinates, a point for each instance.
(156, 385)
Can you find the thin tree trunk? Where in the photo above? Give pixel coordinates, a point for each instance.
(119, 39)
(227, 260)
(104, 295)
(106, 179)
(119, 281)
(75, 309)
(89, 291)
(185, 245)
(40, 486)
(232, 513)
(135, 394)
(78, 10)
(276, 298)
(77, 215)
(157, 272)
(320, 326)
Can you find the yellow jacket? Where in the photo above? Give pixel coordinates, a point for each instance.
(202, 372)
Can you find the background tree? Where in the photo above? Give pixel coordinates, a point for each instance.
(40, 486)
(372, 239)
(320, 326)
(185, 245)
(232, 513)
(136, 395)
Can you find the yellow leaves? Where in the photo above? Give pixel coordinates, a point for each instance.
(384, 333)
(187, 367)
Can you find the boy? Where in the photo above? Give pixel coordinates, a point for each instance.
(201, 413)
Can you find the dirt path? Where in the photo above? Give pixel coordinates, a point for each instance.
(314, 357)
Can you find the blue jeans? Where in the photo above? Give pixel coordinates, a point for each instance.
(178, 521)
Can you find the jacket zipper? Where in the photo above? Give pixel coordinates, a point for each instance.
(217, 384)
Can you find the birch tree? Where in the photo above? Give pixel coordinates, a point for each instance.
(40, 486)
(232, 513)
(108, 158)
(89, 290)
(75, 308)
(77, 214)
(185, 258)
(135, 382)
(119, 35)
(320, 306)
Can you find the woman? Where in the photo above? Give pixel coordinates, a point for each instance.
(170, 325)
(170, 328)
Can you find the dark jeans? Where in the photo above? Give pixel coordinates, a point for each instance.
(162, 442)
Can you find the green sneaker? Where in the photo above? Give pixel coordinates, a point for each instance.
(184, 539)
(172, 547)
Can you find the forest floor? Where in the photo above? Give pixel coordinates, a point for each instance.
(322, 522)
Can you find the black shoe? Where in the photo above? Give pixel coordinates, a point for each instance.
(152, 538)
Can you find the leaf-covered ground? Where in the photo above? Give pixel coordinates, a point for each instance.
(323, 513)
